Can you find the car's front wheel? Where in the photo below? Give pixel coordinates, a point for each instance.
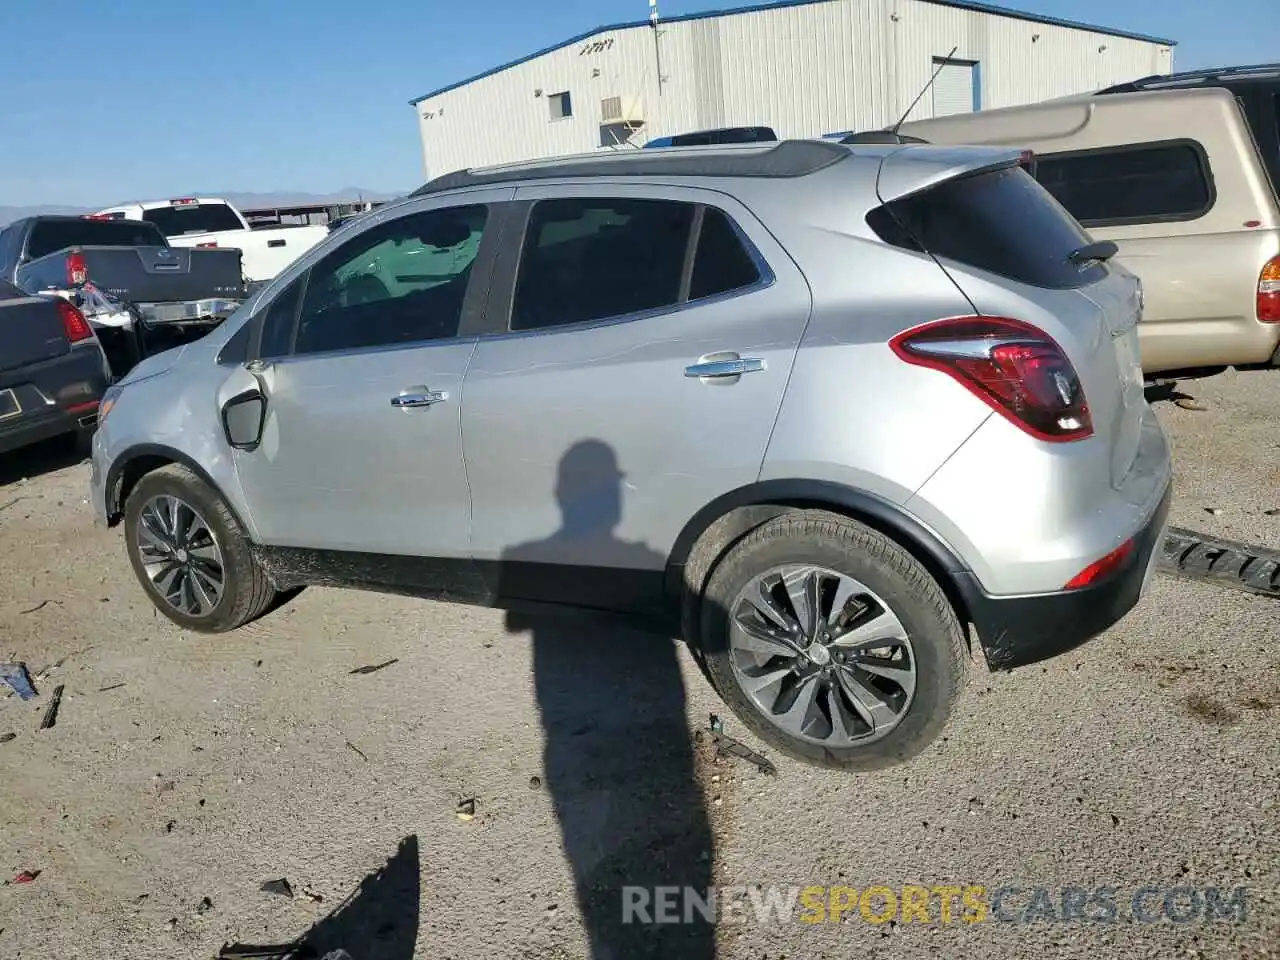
(191, 555)
(832, 643)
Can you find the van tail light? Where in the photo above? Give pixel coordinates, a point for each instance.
(1101, 569)
(206, 246)
(1269, 292)
(73, 321)
(77, 270)
(1015, 368)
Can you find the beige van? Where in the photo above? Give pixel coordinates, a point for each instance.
(1175, 179)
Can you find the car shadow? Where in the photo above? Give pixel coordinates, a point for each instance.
(379, 920)
(618, 758)
(47, 456)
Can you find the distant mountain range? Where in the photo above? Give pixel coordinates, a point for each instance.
(242, 200)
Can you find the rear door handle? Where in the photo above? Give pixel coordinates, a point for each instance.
(418, 397)
(719, 366)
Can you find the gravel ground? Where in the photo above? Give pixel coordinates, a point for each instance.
(186, 771)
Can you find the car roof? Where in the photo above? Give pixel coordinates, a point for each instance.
(769, 160)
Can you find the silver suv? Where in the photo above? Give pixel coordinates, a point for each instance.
(827, 411)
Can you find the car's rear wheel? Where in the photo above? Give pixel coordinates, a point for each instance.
(832, 643)
(191, 555)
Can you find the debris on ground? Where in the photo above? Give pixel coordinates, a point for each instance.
(467, 809)
(1271, 513)
(312, 895)
(114, 686)
(359, 752)
(6, 737)
(1212, 511)
(280, 888)
(51, 712)
(26, 876)
(1190, 403)
(375, 667)
(535, 783)
(15, 500)
(715, 725)
(205, 905)
(39, 606)
(17, 677)
(726, 746)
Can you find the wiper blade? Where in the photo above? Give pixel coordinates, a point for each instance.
(1102, 250)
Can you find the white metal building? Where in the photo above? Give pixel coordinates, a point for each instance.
(806, 68)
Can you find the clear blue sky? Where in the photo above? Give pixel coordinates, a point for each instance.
(106, 100)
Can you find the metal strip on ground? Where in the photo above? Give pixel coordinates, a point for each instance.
(1226, 563)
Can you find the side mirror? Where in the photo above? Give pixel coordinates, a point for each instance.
(243, 417)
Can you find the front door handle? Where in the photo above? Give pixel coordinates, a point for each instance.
(722, 365)
(418, 397)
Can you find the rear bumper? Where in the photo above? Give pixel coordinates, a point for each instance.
(57, 397)
(1016, 631)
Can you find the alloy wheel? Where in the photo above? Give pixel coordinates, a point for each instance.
(821, 655)
(180, 555)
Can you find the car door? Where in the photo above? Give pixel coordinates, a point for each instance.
(645, 350)
(345, 428)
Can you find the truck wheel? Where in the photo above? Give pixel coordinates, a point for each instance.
(191, 555)
(832, 643)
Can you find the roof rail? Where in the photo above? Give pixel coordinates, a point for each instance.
(778, 160)
(1186, 77)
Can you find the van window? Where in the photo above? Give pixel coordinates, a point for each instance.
(1000, 221)
(1141, 183)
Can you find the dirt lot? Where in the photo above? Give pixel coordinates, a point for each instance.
(186, 771)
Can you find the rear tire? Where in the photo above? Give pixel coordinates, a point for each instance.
(868, 683)
(191, 555)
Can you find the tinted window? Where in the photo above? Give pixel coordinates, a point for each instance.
(589, 259)
(1129, 184)
(193, 218)
(277, 324)
(49, 236)
(402, 281)
(1001, 221)
(722, 263)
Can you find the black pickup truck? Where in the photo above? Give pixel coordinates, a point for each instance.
(140, 293)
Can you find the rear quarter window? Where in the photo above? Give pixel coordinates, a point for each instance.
(998, 221)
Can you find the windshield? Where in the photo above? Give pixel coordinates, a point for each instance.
(48, 236)
(174, 221)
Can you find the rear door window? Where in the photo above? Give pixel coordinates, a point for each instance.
(1138, 183)
(999, 221)
(593, 259)
(50, 236)
(599, 258)
(178, 219)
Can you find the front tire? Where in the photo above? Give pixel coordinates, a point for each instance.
(191, 555)
(832, 643)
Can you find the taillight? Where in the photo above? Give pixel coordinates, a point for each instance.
(1101, 569)
(1269, 292)
(1014, 367)
(77, 270)
(73, 321)
(206, 246)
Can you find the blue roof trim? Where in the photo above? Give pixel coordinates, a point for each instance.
(781, 4)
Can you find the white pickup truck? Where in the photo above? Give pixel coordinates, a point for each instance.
(213, 222)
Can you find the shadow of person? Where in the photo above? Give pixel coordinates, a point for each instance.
(618, 759)
(377, 921)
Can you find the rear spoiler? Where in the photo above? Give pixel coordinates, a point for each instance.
(914, 169)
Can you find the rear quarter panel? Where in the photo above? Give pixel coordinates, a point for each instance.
(854, 413)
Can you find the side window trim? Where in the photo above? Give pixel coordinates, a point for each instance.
(502, 299)
(1202, 163)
